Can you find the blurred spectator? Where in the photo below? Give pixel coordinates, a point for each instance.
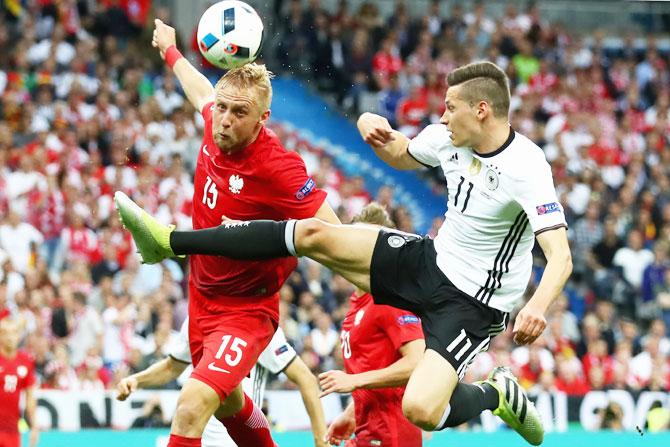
(385, 63)
(118, 326)
(389, 99)
(152, 415)
(569, 376)
(21, 240)
(663, 298)
(633, 259)
(611, 417)
(86, 329)
(324, 336)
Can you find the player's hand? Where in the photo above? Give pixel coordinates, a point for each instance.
(529, 324)
(336, 381)
(375, 130)
(320, 442)
(164, 36)
(341, 429)
(125, 388)
(225, 220)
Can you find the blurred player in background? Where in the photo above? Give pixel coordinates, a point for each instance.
(277, 357)
(17, 375)
(243, 172)
(381, 346)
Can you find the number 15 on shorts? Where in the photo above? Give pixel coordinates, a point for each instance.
(233, 353)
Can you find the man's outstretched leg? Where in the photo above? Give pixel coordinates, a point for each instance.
(347, 249)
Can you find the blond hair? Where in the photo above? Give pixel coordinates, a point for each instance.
(248, 76)
(375, 214)
(483, 81)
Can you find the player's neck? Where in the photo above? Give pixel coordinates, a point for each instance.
(358, 293)
(8, 353)
(493, 138)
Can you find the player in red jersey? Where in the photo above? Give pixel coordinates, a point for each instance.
(381, 345)
(17, 375)
(243, 172)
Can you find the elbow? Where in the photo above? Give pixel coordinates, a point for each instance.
(362, 118)
(173, 369)
(308, 381)
(414, 355)
(567, 262)
(303, 378)
(413, 362)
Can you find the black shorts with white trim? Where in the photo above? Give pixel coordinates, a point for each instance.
(404, 274)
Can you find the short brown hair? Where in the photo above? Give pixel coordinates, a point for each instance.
(375, 214)
(483, 81)
(247, 76)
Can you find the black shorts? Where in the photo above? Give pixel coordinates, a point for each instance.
(404, 274)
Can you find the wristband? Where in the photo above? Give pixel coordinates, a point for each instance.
(172, 55)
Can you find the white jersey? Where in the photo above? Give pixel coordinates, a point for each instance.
(497, 202)
(276, 357)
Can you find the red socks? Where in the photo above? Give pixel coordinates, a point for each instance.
(248, 427)
(180, 441)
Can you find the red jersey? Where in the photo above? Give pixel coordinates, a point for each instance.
(262, 181)
(16, 374)
(371, 337)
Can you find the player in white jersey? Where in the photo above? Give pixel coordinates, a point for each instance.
(278, 356)
(463, 285)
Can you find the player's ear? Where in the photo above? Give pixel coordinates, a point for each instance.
(483, 110)
(264, 117)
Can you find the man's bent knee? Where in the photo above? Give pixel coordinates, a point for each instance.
(309, 235)
(189, 419)
(197, 403)
(421, 414)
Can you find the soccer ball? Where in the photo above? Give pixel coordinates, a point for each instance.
(230, 34)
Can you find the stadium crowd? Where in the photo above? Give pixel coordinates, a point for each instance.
(87, 108)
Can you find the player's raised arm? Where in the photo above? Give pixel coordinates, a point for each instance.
(389, 144)
(197, 87)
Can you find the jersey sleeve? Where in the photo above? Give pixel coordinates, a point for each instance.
(424, 147)
(207, 112)
(278, 354)
(536, 194)
(293, 193)
(180, 349)
(400, 326)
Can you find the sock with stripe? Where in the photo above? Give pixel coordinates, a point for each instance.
(468, 401)
(181, 441)
(249, 427)
(254, 239)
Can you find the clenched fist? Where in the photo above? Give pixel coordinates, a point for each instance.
(164, 37)
(125, 388)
